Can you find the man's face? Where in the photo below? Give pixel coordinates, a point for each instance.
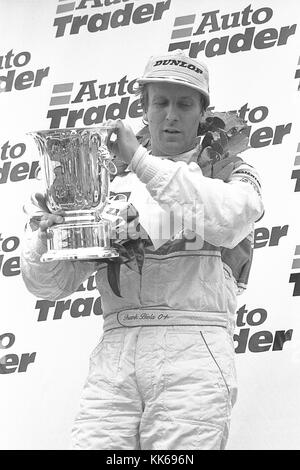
(174, 113)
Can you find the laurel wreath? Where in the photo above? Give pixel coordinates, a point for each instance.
(225, 134)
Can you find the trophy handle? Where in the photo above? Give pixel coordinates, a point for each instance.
(105, 160)
(110, 167)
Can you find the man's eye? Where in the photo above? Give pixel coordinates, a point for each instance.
(185, 105)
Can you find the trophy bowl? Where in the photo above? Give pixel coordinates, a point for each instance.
(75, 167)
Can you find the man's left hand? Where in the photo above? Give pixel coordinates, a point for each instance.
(126, 144)
(222, 169)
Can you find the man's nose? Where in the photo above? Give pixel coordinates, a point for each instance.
(172, 113)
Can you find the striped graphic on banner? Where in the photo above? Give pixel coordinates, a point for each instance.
(296, 173)
(65, 7)
(60, 91)
(295, 276)
(183, 29)
(296, 261)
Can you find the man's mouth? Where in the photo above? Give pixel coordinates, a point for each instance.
(172, 131)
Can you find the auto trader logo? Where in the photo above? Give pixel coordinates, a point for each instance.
(96, 16)
(92, 102)
(217, 33)
(13, 76)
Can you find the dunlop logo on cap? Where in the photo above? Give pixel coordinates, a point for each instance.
(179, 63)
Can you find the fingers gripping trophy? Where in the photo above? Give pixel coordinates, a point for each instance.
(75, 167)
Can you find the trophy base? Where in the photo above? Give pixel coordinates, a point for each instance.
(79, 241)
(79, 254)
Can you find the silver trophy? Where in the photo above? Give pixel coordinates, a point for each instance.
(75, 168)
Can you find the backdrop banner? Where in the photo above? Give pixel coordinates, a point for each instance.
(74, 63)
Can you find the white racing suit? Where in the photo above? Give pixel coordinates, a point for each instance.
(163, 374)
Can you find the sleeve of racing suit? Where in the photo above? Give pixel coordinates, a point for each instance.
(51, 280)
(228, 210)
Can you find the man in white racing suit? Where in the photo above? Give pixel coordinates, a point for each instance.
(163, 374)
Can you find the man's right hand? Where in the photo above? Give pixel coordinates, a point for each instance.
(47, 221)
(124, 220)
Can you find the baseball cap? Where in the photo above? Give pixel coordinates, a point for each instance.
(177, 67)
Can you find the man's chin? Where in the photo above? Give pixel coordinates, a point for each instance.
(172, 148)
